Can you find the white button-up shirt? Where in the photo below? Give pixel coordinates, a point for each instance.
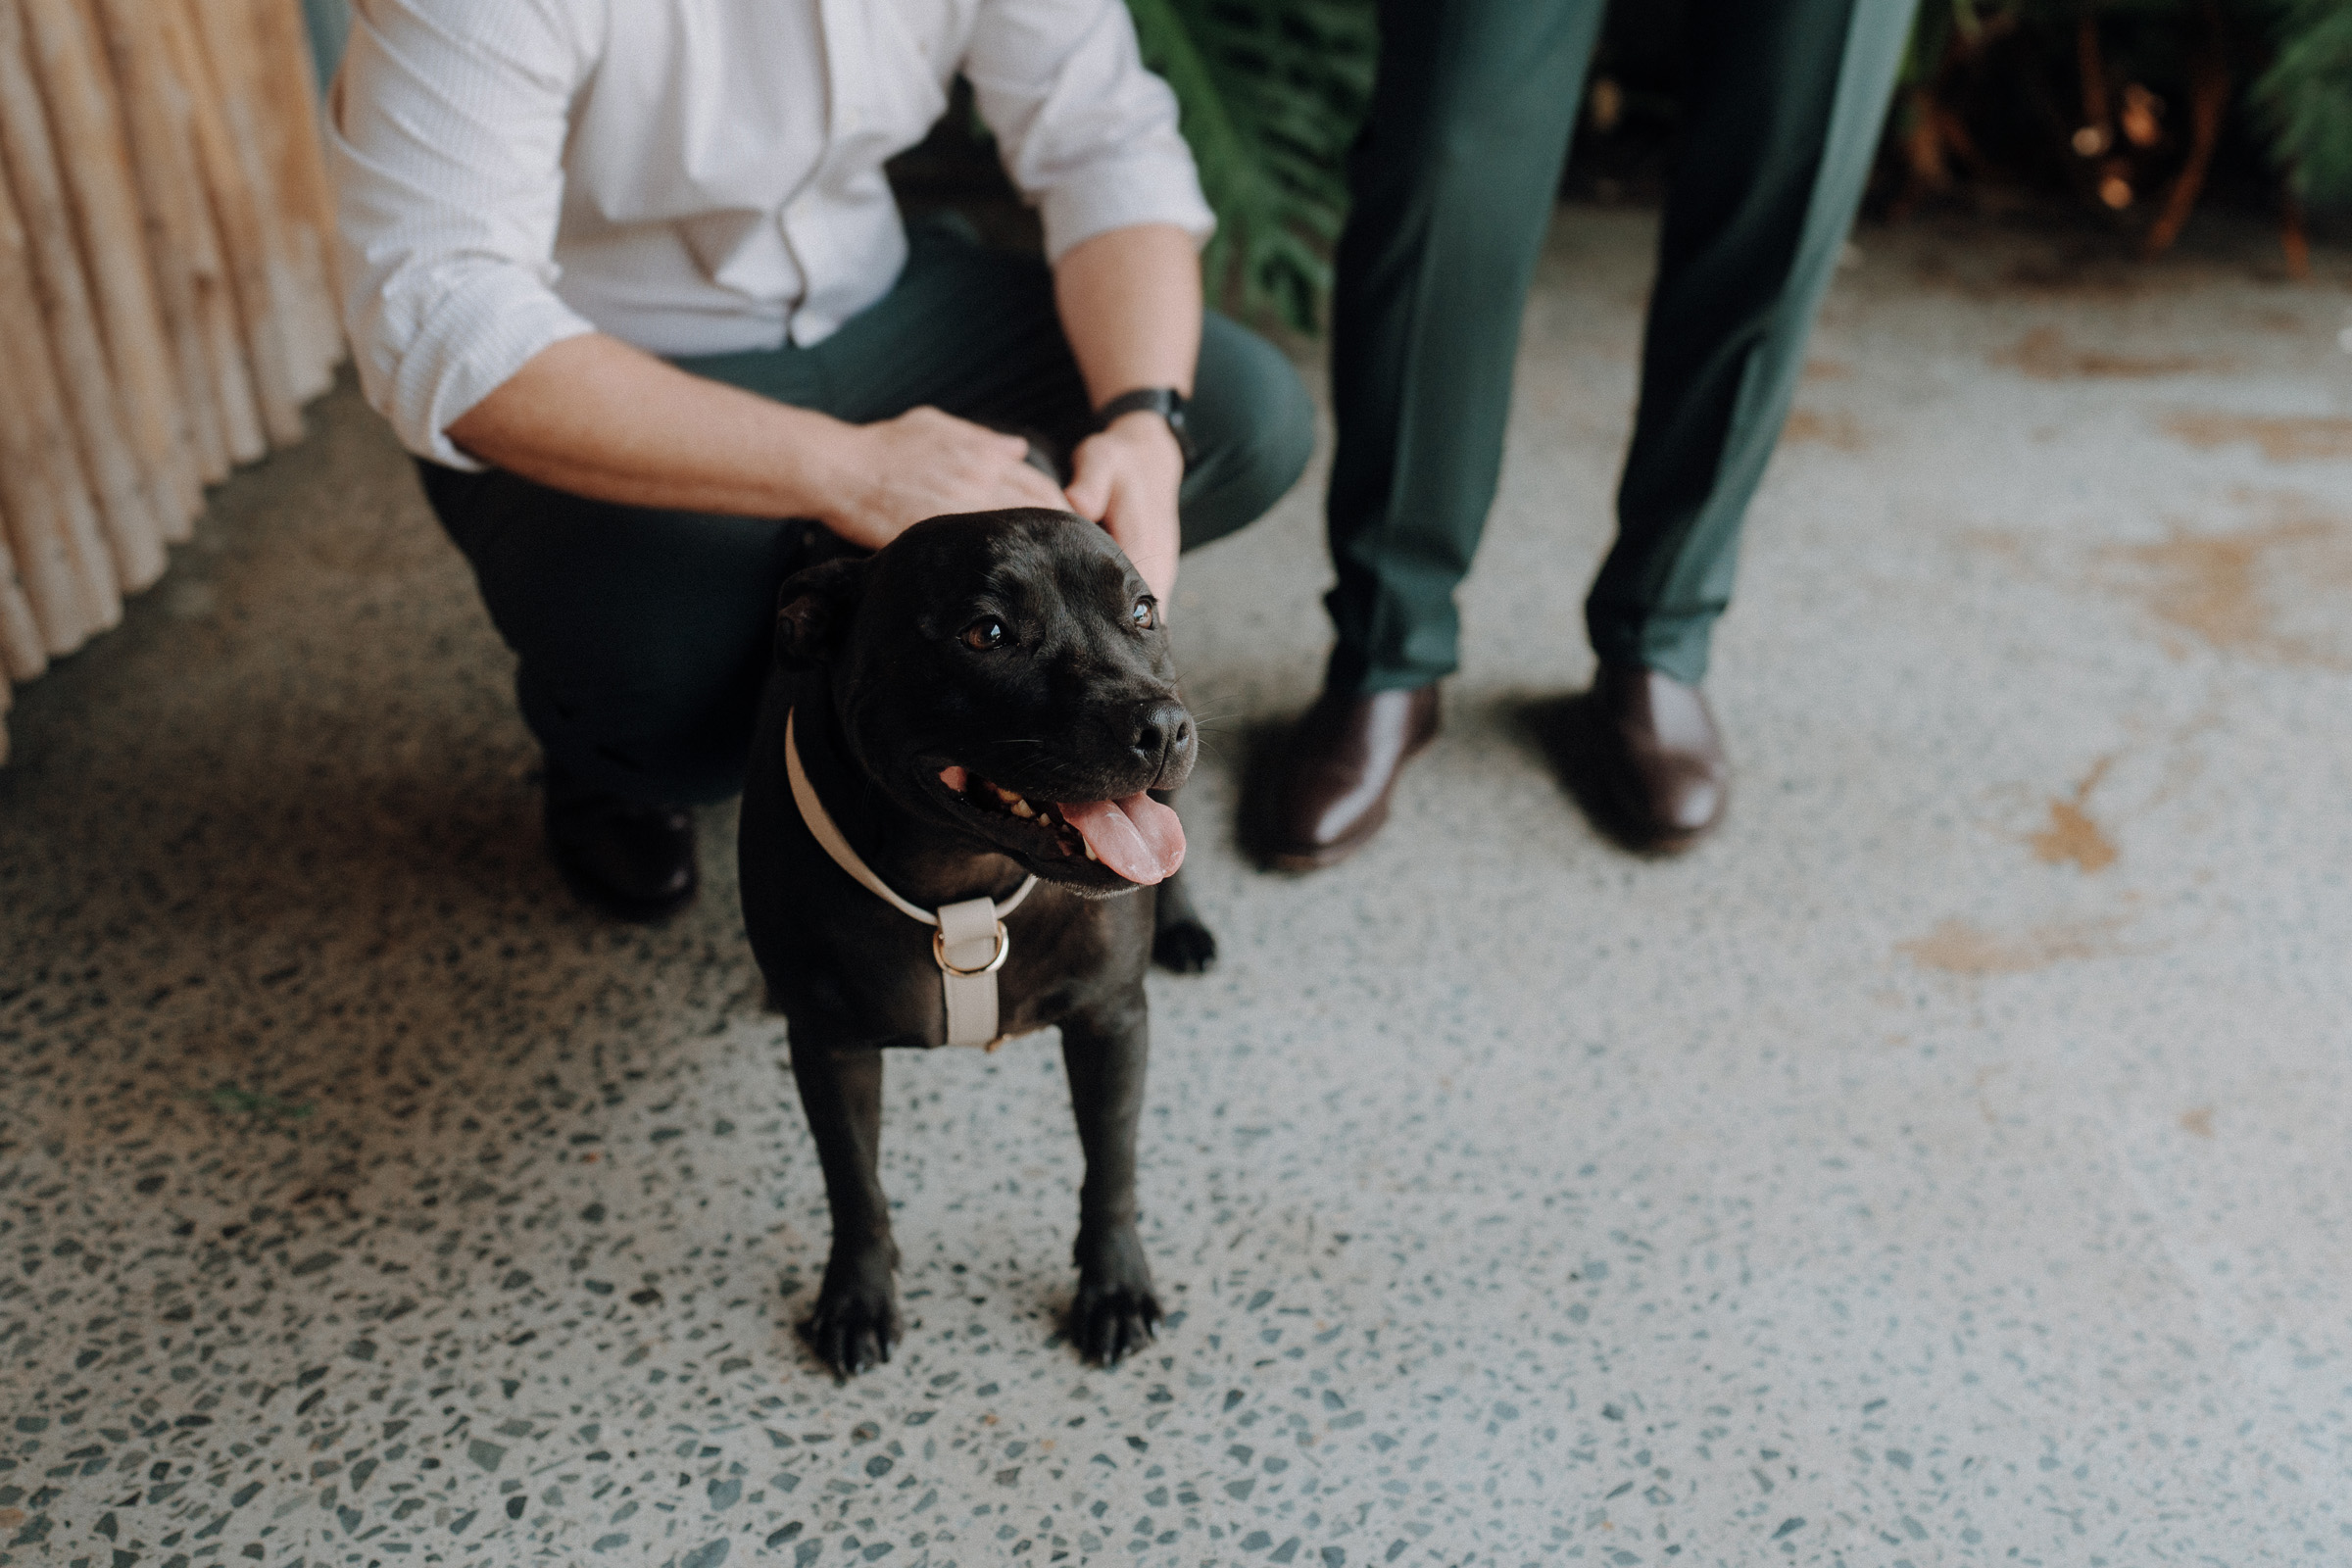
(693, 176)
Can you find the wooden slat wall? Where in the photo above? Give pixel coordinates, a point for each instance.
(167, 289)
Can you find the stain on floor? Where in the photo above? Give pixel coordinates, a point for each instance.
(2273, 591)
(2047, 354)
(1808, 427)
(2282, 438)
(2072, 837)
(1959, 947)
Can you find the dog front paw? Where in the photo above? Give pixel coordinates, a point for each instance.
(1112, 1321)
(1184, 946)
(854, 1325)
(1116, 1314)
(1179, 941)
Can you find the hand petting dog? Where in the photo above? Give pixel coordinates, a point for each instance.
(1125, 477)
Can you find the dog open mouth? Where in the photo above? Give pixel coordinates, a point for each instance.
(1137, 836)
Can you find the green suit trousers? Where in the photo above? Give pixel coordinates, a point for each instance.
(1453, 182)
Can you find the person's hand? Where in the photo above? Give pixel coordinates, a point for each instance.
(895, 473)
(1125, 478)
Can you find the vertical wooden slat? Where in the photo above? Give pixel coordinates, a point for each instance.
(281, 76)
(244, 249)
(165, 168)
(37, 467)
(130, 528)
(228, 354)
(88, 124)
(244, 191)
(24, 652)
(287, 58)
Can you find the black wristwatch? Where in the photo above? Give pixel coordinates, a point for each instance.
(1164, 401)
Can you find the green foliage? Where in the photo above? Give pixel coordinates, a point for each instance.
(1271, 93)
(2305, 98)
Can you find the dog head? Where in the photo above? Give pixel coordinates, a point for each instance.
(1006, 674)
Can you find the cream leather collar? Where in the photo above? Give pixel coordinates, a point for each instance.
(969, 942)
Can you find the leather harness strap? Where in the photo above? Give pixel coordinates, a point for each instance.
(971, 943)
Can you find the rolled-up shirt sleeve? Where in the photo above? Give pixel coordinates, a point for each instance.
(446, 131)
(1085, 132)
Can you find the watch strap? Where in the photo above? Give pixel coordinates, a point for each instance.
(1164, 401)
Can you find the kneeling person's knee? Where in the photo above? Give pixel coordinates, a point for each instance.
(1252, 426)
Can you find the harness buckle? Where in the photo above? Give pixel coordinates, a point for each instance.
(995, 960)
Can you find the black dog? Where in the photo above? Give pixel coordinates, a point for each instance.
(991, 698)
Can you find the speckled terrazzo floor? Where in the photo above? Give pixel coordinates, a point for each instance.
(1947, 1164)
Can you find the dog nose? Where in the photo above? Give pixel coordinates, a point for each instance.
(1163, 736)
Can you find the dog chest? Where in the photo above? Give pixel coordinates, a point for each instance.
(880, 981)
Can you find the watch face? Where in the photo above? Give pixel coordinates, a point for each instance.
(1174, 414)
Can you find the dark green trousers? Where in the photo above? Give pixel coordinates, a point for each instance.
(1453, 181)
(642, 635)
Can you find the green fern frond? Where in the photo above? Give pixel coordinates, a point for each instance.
(2305, 99)
(1271, 92)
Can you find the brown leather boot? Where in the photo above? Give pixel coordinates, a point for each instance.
(1656, 759)
(1331, 792)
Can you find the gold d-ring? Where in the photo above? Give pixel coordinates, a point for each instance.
(995, 960)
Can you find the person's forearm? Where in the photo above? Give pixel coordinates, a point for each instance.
(1130, 304)
(597, 417)
(1130, 301)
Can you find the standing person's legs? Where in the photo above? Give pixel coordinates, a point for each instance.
(1452, 182)
(1786, 98)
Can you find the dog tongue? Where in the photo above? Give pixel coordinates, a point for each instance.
(1137, 836)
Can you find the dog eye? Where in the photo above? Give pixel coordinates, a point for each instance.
(1146, 614)
(985, 633)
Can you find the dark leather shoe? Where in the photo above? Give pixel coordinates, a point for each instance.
(632, 860)
(1332, 791)
(1656, 758)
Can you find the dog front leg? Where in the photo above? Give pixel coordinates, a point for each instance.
(857, 1318)
(1181, 942)
(1115, 1313)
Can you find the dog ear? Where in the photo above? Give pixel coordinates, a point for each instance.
(813, 609)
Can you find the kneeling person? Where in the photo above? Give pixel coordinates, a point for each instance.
(630, 282)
